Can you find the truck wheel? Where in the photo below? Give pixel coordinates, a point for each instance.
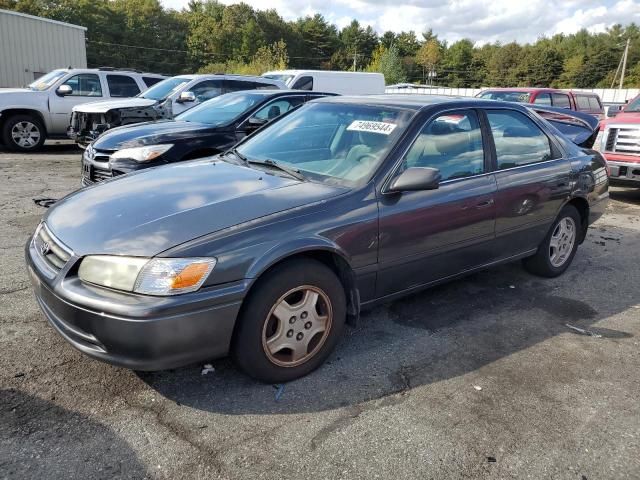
(558, 248)
(291, 322)
(23, 133)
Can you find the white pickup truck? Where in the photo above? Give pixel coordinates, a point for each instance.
(28, 116)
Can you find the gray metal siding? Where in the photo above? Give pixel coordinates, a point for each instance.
(30, 44)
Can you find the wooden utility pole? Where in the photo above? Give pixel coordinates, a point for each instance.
(624, 61)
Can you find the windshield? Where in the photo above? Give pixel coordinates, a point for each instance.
(282, 77)
(45, 81)
(519, 97)
(633, 106)
(163, 89)
(222, 109)
(331, 142)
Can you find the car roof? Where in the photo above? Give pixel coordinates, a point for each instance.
(523, 89)
(407, 101)
(110, 70)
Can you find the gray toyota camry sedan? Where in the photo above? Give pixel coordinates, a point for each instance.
(264, 252)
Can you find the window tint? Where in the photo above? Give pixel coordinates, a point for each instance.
(150, 81)
(518, 140)
(543, 99)
(594, 103)
(303, 83)
(207, 89)
(583, 102)
(265, 86)
(452, 143)
(278, 107)
(237, 85)
(85, 85)
(122, 86)
(561, 100)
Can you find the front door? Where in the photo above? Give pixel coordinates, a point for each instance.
(432, 234)
(85, 88)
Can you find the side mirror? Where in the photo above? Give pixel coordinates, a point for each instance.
(64, 90)
(416, 178)
(257, 122)
(186, 97)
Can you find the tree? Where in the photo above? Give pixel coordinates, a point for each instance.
(428, 56)
(358, 43)
(388, 62)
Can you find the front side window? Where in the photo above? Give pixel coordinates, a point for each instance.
(278, 107)
(543, 99)
(303, 83)
(518, 140)
(222, 109)
(561, 100)
(519, 97)
(207, 90)
(265, 86)
(452, 143)
(122, 86)
(594, 103)
(237, 85)
(84, 85)
(583, 102)
(633, 105)
(331, 142)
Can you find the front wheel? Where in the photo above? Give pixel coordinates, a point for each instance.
(291, 322)
(558, 248)
(23, 133)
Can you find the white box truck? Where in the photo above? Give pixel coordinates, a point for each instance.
(343, 83)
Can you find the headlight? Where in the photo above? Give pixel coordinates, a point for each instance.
(157, 276)
(597, 145)
(142, 154)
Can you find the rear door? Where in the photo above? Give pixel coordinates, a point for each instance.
(429, 235)
(533, 180)
(122, 86)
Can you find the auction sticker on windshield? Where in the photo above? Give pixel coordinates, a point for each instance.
(372, 127)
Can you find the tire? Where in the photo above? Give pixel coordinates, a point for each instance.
(23, 133)
(559, 246)
(261, 340)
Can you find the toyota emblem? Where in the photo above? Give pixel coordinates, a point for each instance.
(45, 248)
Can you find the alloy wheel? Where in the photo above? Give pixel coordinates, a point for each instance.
(561, 242)
(25, 134)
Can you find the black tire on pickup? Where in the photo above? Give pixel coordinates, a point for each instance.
(23, 133)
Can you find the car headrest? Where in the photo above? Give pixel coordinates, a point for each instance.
(274, 111)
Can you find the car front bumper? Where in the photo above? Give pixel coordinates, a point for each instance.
(624, 173)
(140, 332)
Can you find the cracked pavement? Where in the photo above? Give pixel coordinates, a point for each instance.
(436, 385)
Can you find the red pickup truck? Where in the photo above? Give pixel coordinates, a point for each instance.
(619, 142)
(585, 102)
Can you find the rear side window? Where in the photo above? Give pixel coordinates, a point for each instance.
(452, 143)
(265, 86)
(303, 83)
(122, 86)
(594, 103)
(583, 102)
(561, 100)
(518, 140)
(85, 85)
(207, 90)
(543, 99)
(237, 85)
(150, 81)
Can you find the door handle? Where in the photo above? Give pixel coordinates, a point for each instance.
(485, 204)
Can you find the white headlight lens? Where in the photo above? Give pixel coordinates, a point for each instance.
(111, 271)
(142, 154)
(172, 276)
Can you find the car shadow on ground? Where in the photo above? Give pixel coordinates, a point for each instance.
(626, 195)
(51, 147)
(430, 336)
(41, 440)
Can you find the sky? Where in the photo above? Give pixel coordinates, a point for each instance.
(483, 21)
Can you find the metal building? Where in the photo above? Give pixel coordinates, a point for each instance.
(32, 46)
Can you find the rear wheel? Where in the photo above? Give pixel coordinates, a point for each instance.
(557, 250)
(23, 133)
(291, 322)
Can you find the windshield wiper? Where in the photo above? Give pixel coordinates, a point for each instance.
(237, 154)
(272, 163)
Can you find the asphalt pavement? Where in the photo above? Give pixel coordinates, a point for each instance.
(499, 375)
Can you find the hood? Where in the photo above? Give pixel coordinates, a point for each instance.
(148, 212)
(623, 117)
(22, 97)
(149, 133)
(106, 105)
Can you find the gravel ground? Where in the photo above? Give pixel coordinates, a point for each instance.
(480, 378)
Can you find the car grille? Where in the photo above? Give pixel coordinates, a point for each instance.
(99, 174)
(624, 140)
(50, 250)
